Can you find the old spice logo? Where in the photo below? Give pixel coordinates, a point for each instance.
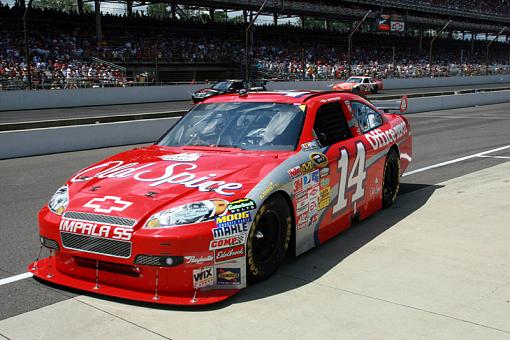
(177, 173)
(227, 254)
(107, 204)
(198, 259)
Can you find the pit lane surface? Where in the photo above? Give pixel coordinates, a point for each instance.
(24, 116)
(431, 261)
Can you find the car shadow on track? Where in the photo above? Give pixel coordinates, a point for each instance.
(305, 269)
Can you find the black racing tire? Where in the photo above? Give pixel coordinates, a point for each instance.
(375, 89)
(356, 90)
(391, 179)
(268, 239)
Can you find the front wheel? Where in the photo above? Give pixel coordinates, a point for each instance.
(391, 179)
(268, 239)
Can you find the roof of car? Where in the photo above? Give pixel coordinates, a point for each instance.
(290, 97)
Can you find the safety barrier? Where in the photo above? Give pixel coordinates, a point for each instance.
(30, 142)
(41, 99)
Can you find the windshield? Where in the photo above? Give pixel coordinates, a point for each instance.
(222, 85)
(251, 126)
(355, 80)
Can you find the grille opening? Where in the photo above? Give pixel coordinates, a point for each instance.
(96, 245)
(110, 267)
(98, 218)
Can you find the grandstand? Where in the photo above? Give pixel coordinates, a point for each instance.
(75, 49)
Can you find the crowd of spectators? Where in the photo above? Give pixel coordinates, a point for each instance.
(64, 54)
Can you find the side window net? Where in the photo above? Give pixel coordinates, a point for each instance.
(330, 124)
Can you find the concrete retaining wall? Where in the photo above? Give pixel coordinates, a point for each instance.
(457, 101)
(42, 99)
(73, 138)
(22, 143)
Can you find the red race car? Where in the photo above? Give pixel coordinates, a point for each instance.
(360, 85)
(223, 196)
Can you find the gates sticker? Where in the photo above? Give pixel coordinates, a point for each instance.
(228, 276)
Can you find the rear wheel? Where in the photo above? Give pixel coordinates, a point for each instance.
(375, 89)
(268, 239)
(391, 179)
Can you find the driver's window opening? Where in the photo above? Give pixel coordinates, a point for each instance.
(330, 124)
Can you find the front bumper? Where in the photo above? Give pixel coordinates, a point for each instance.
(63, 270)
(128, 279)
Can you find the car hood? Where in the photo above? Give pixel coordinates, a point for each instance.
(207, 91)
(139, 182)
(345, 85)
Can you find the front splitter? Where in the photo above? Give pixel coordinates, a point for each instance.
(45, 270)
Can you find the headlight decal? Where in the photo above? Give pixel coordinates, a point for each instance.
(59, 201)
(190, 213)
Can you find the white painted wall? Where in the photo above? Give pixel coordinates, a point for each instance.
(41, 99)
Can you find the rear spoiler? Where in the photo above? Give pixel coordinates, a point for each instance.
(394, 106)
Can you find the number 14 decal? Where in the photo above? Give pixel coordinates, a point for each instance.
(356, 177)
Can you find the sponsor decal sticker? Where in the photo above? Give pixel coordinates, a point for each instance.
(230, 230)
(227, 242)
(302, 220)
(207, 260)
(313, 145)
(181, 157)
(270, 188)
(324, 202)
(307, 167)
(233, 219)
(295, 172)
(324, 172)
(302, 206)
(297, 185)
(107, 204)
(324, 182)
(313, 192)
(203, 277)
(319, 159)
(379, 138)
(240, 205)
(177, 174)
(227, 254)
(228, 276)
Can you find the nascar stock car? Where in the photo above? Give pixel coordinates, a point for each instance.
(218, 201)
(360, 85)
(227, 86)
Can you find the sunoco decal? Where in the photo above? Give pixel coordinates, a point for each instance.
(228, 276)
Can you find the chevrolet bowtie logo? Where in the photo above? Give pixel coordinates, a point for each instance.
(108, 204)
